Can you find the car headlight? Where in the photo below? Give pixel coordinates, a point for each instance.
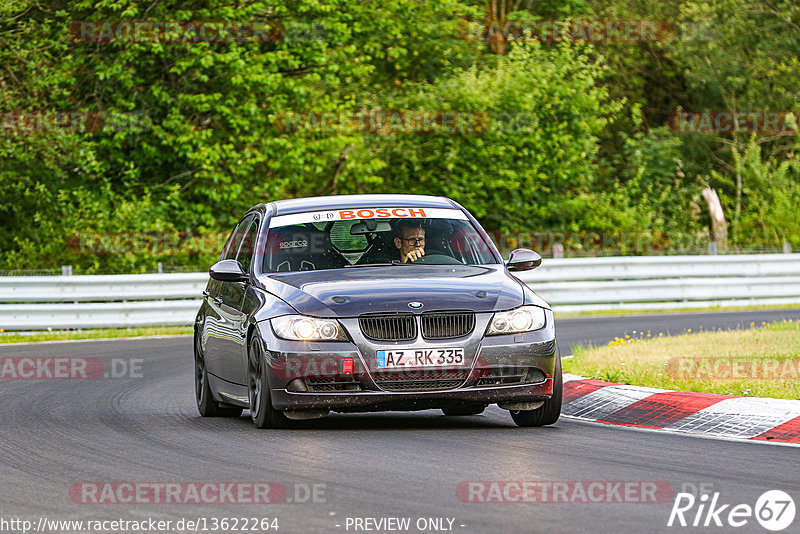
(524, 319)
(304, 328)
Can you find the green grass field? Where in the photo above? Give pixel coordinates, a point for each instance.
(682, 311)
(763, 361)
(100, 333)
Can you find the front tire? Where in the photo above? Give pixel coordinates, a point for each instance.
(261, 410)
(550, 411)
(206, 404)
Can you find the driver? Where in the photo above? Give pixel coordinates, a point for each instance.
(410, 240)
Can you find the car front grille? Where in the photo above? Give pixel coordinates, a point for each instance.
(418, 385)
(447, 325)
(510, 376)
(329, 385)
(388, 327)
(423, 374)
(403, 326)
(421, 379)
(499, 380)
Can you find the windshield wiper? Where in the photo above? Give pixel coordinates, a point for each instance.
(393, 262)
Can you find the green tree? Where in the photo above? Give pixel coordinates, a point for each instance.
(535, 166)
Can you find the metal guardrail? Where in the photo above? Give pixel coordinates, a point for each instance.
(654, 267)
(98, 314)
(98, 288)
(667, 282)
(99, 301)
(570, 285)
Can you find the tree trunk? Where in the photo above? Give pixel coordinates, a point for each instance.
(718, 225)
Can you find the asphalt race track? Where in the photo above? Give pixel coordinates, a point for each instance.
(55, 434)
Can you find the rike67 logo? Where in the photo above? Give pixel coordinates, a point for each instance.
(774, 510)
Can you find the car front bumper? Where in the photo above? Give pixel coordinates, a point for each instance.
(367, 401)
(491, 361)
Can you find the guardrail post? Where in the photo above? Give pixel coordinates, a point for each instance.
(787, 247)
(558, 250)
(66, 270)
(712, 248)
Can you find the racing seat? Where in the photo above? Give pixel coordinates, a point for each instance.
(300, 248)
(382, 250)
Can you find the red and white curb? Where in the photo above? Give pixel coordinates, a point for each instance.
(710, 414)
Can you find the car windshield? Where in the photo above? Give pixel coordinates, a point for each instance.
(365, 237)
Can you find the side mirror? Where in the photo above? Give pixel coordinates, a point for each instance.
(522, 259)
(228, 271)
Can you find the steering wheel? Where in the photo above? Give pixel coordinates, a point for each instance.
(436, 257)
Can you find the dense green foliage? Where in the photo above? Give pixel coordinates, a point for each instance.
(577, 138)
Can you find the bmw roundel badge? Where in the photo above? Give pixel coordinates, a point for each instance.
(415, 305)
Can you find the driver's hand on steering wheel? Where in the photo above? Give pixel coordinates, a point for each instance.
(413, 255)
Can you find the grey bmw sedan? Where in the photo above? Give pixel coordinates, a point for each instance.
(371, 303)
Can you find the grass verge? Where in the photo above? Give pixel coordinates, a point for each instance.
(682, 311)
(759, 362)
(61, 335)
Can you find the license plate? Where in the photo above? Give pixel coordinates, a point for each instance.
(420, 358)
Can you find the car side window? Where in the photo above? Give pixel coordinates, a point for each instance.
(248, 246)
(232, 246)
(229, 244)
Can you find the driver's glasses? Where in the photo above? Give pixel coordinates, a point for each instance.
(415, 241)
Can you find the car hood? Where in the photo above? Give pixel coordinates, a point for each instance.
(351, 292)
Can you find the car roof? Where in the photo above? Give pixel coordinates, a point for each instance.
(299, 205)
